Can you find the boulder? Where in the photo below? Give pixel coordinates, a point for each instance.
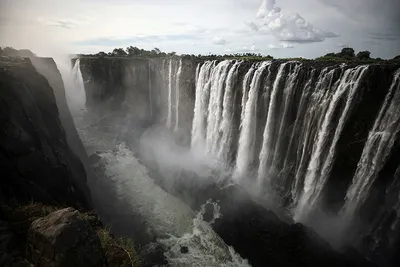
(64, 238)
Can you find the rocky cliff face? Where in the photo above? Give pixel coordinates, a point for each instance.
(37, 161)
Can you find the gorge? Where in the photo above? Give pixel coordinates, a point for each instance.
(314, 141)
(208, 162)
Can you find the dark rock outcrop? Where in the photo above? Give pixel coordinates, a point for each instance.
(64, 238)
(36, 160)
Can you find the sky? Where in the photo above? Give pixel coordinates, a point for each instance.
(281, 28)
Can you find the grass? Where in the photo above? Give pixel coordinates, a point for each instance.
(118, 251)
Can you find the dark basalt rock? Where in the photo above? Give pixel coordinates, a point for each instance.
(36, 160)
(64, 238)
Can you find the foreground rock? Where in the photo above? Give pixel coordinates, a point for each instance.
(64, 238)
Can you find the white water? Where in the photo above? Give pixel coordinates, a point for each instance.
(76, 95)
(313, 119)
(177, 95)
(227, 114)
(288, 94)
(165, 215)
(319, 168)
(247, 137)
(205, 249)
(265, 154)
(217, 80)
(150, 92)
(376, 150)
(169, 116)
(201, 105)
(245, 92)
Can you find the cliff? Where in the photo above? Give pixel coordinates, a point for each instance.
(37, 162)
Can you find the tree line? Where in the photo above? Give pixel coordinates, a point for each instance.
(346, 54)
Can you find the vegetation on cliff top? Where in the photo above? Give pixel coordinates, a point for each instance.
(347, 54)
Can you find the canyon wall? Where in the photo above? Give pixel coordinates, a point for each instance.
(38, 163)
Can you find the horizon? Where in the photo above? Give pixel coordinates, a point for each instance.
(280, 28)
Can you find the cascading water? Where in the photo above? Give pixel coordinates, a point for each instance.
(266, 151)
(150, 92)
(169, 116)
(318, 169)
(376, 150)
(201, 104)
(249, 119)
(227, 113)
(177, 95)
(76, 95)
(218, 81)
(288, 123)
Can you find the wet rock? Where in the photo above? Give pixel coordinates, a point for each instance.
(184, 250)
(94, 158)
(64, 238)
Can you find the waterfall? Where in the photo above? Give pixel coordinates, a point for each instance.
(201, 104)
(246, 87)
(304, 113)
(376, 150)
(317, 104)
(249, 119)
(177, 95)
(288, 94)
(218, 78)
(266, 155)
(169, 117)
(150, 92)
(320, 165)
(77, 96)
(227, 113)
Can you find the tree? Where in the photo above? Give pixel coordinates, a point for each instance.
(364, 55)
(119, 52)
(101, 54)
(347, 52)
(397, 58)
(133, 51)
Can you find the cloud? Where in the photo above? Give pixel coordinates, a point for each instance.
(252, 26)
(287, 27)
(384, 36)
(219, 41)
(287, 45)
(63, 23)
(243, 49)
(138, 39)
(281, 45)
(377, 14)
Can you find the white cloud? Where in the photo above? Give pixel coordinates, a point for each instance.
(219, 41)
(243, 49)
(287, 45)
(281, 45)
(287, 27)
